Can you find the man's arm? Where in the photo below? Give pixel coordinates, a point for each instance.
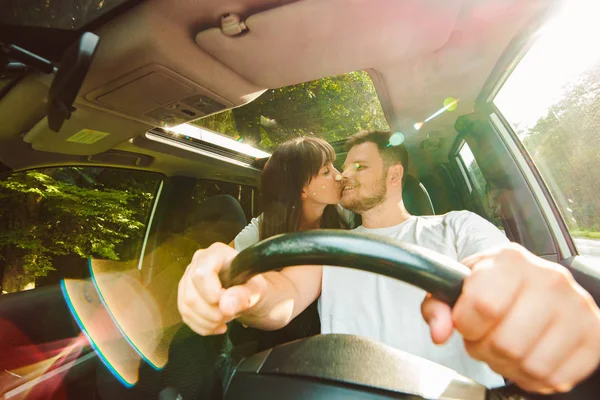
(524, 316)
(268, 301)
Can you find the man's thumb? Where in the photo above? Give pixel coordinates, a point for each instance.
(438, 316)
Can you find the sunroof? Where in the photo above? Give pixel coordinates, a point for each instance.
(59, 14)
(331, 108)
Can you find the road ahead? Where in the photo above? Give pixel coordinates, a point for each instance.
(588, 247)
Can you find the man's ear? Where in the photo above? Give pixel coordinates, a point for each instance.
(395, 174)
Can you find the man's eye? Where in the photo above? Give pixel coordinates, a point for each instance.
(357, 166)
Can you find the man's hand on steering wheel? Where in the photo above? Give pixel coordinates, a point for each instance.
(525, 317)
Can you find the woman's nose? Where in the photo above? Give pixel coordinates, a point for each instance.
(336, 173)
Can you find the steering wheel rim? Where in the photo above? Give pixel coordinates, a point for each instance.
(435, 273)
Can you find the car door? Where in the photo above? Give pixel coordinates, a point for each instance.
(66, 226)
(53, 221)
(529, 154)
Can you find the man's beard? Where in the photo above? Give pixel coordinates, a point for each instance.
(361, 204)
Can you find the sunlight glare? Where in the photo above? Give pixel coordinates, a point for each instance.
(566, 48)
(396, 139)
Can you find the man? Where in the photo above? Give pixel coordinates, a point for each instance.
(520, 315)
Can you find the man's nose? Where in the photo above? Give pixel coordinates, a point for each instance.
(347, 172)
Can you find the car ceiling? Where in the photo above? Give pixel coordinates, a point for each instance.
(418, 53)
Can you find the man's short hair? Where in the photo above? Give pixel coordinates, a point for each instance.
(390, 154)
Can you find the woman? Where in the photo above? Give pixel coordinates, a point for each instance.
(300, 191)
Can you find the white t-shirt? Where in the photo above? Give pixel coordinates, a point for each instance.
(250, 234)
(389, 311)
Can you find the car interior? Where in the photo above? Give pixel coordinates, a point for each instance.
(138, 130)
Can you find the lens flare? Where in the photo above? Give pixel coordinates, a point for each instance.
(96, 324)
(396, 139)
(132, 310)
(126, 319)
(34, 369)
(146, 313)
(450, 103)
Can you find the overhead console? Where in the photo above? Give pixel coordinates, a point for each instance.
(158, 96)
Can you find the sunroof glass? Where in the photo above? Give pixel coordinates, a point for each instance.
(58, 14)
(331, 108)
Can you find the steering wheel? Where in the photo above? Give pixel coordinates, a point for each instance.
(346, 366)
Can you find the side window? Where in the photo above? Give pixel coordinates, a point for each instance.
(53, 220)
(472, 170)
(552, 102)
(477, 185)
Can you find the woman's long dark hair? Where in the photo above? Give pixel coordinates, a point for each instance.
(292, 166)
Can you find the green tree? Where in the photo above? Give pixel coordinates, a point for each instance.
(331, 108)
(565, 145)
(87, 212)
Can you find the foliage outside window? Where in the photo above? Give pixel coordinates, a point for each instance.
(331, 108)
(52, 220)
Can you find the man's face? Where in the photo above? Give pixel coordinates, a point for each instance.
(364, 178)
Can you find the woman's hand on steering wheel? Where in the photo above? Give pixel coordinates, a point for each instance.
(205, 306)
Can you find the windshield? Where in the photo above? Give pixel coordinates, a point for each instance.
(331, 108)
(59, 14)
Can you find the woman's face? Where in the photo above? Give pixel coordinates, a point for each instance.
(325, 187)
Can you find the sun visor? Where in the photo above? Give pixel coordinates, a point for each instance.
(311, 39)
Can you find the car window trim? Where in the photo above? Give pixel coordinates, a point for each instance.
(463, 169)
(150, 222)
